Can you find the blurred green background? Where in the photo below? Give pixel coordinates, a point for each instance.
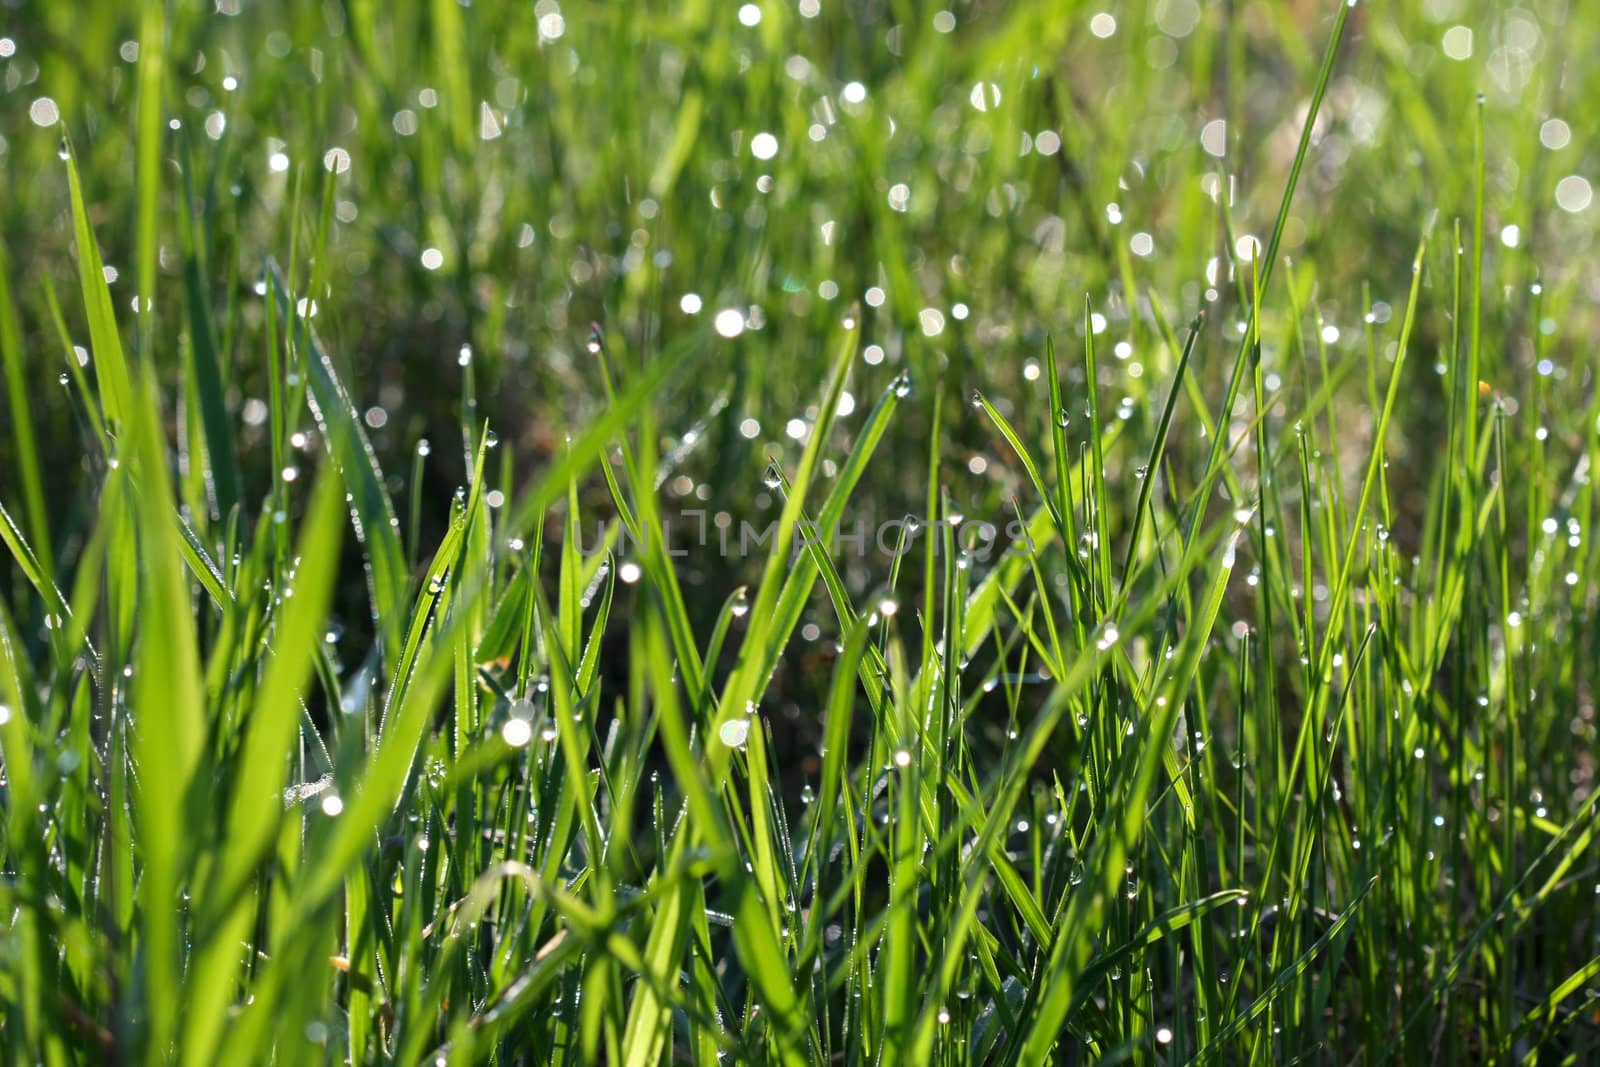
(499, 176)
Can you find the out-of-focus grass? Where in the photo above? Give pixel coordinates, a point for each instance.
(1260, 728)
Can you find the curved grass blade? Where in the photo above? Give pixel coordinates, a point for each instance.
(371, 511)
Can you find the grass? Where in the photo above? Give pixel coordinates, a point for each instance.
(1220, 696)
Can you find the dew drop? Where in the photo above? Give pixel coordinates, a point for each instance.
(517, 732)
(735, 732)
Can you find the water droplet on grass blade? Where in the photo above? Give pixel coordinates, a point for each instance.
(735, 732)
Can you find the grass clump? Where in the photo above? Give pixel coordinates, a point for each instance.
(1222, 694)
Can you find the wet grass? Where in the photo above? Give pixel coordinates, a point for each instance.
(791, 533)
